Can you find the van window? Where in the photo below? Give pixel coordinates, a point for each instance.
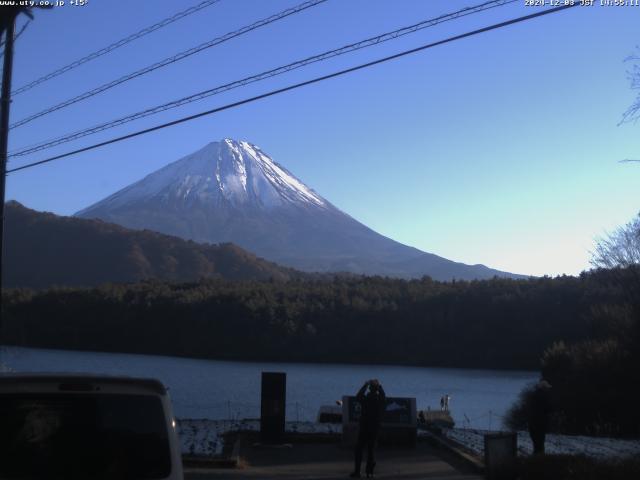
(99, 436)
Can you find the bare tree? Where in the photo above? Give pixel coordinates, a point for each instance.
(621, 248)
(633, 112)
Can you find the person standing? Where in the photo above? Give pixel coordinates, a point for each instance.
(538, 415)
(372, 401)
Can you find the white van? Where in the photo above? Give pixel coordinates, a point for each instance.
(86, 427)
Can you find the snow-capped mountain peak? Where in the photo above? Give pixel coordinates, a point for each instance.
(232, 191)
(236, 172)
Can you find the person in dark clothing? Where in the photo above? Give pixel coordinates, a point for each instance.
(538, 415)
(372, 403)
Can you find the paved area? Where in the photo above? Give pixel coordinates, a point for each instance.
(329, 461)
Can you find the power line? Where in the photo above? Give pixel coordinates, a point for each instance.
(261, 76)
(298, 85)
(115, 45)
(169, 60)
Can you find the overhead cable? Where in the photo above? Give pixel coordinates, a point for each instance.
(260, 76)
(296, 86)
(170, 60)
(115, 45)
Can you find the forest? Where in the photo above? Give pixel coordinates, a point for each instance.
(498, 323)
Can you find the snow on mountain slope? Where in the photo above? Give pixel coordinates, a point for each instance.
(237, 172)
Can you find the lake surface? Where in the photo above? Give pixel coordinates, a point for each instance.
(222, 389)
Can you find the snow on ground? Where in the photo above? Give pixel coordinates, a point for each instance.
(594, 447)
(202, 437)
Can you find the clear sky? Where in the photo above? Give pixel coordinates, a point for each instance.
(499, 149)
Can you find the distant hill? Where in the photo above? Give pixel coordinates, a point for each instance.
(232, 191)
(43, 249)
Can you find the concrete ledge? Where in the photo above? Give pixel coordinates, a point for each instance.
(474, 461)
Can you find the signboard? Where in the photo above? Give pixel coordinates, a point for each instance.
(398, 411)
(398, 426)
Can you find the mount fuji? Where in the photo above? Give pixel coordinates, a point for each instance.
(232, 191)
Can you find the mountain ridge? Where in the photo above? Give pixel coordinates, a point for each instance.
(44, 249)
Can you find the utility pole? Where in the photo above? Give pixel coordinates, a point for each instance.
(8, 26)
(8, 15)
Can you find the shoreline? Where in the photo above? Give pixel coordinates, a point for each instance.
(271, 361)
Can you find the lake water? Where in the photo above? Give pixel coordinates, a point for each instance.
(222, 389)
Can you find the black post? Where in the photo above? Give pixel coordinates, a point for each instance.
(9, 21)
(272, 408)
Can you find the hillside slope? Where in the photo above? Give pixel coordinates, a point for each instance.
(43, 249)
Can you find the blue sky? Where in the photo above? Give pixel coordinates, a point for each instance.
(499, 149)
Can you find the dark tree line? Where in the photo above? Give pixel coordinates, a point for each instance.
(497, 323)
